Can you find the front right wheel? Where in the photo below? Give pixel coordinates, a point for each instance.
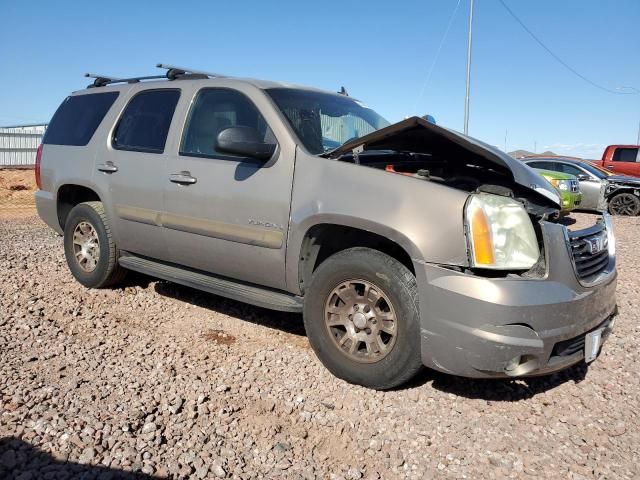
(362, 319)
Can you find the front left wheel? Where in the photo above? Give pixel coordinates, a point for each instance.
(361, 318)
(89, 248)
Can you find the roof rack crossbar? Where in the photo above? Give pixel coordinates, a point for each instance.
(174, 72)
(102, 80)
(99, 80)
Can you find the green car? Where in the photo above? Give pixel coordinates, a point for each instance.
(567, 186)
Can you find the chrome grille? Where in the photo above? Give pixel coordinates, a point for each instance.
(590, 251)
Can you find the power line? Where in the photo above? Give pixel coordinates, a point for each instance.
(435, 59)
(558, 59)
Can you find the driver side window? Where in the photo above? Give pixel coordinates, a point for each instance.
(570, 169)
(214, 110)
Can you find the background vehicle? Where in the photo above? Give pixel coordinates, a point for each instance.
(622, 159)
(405, 245)
(567, 186)
(591, 182)
(601, 188)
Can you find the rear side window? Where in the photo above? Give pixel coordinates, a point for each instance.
(144, 125)
(545, 165)
(77, 118)
(625, 155)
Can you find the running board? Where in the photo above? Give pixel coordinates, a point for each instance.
(234, 289)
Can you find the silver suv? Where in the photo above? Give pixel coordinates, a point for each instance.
(403, 245)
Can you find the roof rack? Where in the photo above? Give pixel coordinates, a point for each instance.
(174, 72)
(103, 80)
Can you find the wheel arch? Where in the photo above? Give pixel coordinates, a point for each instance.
(325, 238)
(71, 194)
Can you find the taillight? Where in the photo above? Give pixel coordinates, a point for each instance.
(38, 160)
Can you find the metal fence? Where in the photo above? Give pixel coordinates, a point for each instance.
(18, 145)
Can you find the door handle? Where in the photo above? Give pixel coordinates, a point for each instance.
(182, 178)
(107, 167)
(610, 167)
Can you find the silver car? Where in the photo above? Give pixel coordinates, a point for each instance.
(402, 245)
(601, 190)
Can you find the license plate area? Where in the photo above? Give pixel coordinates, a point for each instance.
(592, 343)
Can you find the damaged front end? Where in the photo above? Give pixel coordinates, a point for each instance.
(425, 151)
(531, 291)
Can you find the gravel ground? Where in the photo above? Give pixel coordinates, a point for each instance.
(157, 379)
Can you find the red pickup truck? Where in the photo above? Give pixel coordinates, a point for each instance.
(622, 159)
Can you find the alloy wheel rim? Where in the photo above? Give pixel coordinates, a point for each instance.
(86, 246)
(361, 321)
(624, 204)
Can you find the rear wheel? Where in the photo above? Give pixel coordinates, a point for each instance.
(361, 318)
(90, 251)
(624, 203)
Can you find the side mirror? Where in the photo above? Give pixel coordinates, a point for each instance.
(244, 141)
(583, 177)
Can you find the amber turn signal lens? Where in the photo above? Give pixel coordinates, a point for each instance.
(482, 245)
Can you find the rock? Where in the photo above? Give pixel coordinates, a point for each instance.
(87, 456)
(8, 459)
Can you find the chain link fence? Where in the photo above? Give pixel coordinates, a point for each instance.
(18, 145)
(17, 188)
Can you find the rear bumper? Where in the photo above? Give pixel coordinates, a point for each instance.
(475, 326)
(47, 209)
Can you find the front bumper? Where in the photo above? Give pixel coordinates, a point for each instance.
(476, 326)
(570, 201)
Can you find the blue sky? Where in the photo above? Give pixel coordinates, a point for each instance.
(381, 52)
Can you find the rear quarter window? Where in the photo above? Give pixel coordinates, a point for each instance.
(77, 118)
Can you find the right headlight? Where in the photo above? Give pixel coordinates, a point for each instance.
(501, 235)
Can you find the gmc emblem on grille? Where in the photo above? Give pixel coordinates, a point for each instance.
(595, 245)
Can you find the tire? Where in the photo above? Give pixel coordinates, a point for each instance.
(394, 292)
(93, 268)
(624, 203)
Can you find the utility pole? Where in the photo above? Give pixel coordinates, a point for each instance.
(466, 98)
(638, 139)
(505, 140)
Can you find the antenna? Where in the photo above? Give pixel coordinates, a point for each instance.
(174, 72)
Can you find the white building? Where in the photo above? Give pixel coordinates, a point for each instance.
(18, 144)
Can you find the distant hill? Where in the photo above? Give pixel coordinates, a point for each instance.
(526, 153)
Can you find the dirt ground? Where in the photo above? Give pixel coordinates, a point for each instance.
(16, 192)
(155, 379)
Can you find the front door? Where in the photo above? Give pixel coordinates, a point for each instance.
(226, 214)
(592, 188)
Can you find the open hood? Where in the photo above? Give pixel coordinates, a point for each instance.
(416, 135)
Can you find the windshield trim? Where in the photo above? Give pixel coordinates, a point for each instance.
(289, 123)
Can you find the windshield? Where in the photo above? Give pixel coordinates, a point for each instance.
(324, 121)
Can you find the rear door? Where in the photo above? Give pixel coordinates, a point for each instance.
(228, 214)
(132, 170)
(625, 161)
